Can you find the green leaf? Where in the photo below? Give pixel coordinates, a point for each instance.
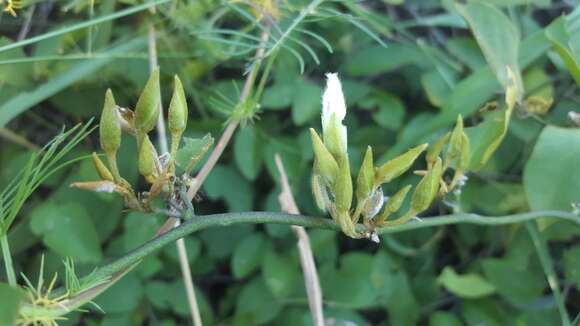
(281, 274)
(557, 32)
(572, 265)
(306, 104)
(248, 255)
(123, 296)
(192, 151)
(10, 298)
(377, 60)
(27, 99)
(467, 286)
(498, 39)
(226, 183)
(68, 230)
(486, 137)
(441, 318)
(277, 97)
(248, 152)
(551, 175)
(520, 284)
(257, 303)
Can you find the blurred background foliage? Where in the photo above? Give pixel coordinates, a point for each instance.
(399, 94)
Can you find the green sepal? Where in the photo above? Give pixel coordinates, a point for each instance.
(101, 168)
(366, 176)
(333, 137)
(434, 151)
(343, 186)
(177, 115)
(147, 158)
(394, 203)
(325, 164)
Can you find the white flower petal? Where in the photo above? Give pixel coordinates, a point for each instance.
(332, 100)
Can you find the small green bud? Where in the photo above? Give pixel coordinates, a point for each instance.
(147, 158)
(110, 126)
(147, 108)
(343, 186)
(456, 141)
(398, 165)
(394, 203)
(465, 159)
(346, 224)
(177, 116)
(366, 176)
(335, 137)
(427, 188)
(325, 164)
(102, 170)
(434, 151)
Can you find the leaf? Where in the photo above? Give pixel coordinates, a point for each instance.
(486, 137)
(248, 255)
(257, 302)
(551, 175)
(281, 274)
(498, 39)
(10, 298)
(306, 104)
(226, 183)
(466, 286)
(441, 318)
(27, 99)
(192, 151)
(248, 152)
(277, 97)
(123, 296)
(572, 265)
(520, 284)
(436, 88)
(68, 230)
(557, 32)
(378, 59)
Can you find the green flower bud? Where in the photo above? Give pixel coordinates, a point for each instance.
(427, 188)
(110, 126)
(325, 164)
(177, 117)
(343, 186)
(398, 165)
(147, 108)
(366, 176)
(393, 204)
(147, 158)
(434, 151)
(465, 159)
(102, 170)
(456, 141)
(346, 224)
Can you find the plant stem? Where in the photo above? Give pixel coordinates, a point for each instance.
(548, 266)
(8, 260)
(125, 263)
(163, 144)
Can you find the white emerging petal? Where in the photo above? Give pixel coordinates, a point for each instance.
(332, 100)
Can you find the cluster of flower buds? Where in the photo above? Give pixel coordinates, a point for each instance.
(157, 170)
(332, 184)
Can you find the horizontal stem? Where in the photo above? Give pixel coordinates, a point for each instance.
(216, 220)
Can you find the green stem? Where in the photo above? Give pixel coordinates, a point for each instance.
(548, 266)
(8, 260)
(122, 265)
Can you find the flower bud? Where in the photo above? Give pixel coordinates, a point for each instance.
(434, 151)
(325, 164)
(456, 141)
(394, 203)
(427, 188)
(343, 186)
(177, 116)
(147, 108)
(465, 158)
(147, 158)
(102, 170)
(366, 176)
(110, 127)
(398, 165)
(346, 224)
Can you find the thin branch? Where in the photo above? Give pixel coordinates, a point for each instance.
(311, 279)
(125, 263)
(163, 144)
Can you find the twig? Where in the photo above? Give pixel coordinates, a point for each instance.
(17, 139)
(311, 280)
(163, 144)
(26, 26)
